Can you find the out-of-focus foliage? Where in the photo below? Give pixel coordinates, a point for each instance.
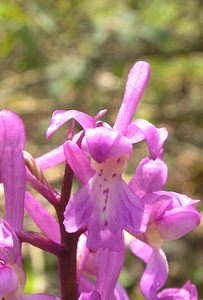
(76, 55)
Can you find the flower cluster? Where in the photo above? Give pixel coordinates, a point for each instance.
(87, 234)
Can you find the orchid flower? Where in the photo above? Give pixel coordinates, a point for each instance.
(104, 203)
(12, 171)
(187, 292)
(167, 213)
(11, 272)
(12, 166)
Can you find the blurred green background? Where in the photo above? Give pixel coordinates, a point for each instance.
(60, 54)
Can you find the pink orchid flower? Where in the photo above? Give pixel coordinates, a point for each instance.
(12, 166)
(167, 213)
(12, 173)
(104, 203)
(12, 277)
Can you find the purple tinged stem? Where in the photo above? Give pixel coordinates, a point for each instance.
(67, 262)
(41, 242)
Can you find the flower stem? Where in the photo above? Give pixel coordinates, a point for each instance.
(41, 242)
(67, 262)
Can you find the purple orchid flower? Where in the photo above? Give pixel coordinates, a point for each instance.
(12, 166)
(104, 203)
(12, 173)
(11, 272)
(187, 292)
(167, 213)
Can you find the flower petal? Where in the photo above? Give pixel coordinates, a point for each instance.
(106, 210)
(103, 143)
(141, 249)
(78, 209)
(78, 162)
(85, 285)
(60, 117)
(51, 158)
(136, 83)
(179, 200)
(155, 137)
(173, 224)
(12, 140)
(134, 216)
(156, 205)
(9, 280)
(173, 294)
(39, 297)
(174, 210)
(90, 296)
(191, 288)
(187, 292)
(109, 268)
(155, 274)
(150, 176)
(9, 244)
(120, 293)
(43, 219)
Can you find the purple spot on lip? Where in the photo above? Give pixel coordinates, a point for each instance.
(105, 191)
(105, 223)
(118, 160)
(104, 208)
(114, 175)
(105, 179)
(100, 172)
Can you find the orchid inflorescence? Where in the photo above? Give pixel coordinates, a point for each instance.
(87, 235)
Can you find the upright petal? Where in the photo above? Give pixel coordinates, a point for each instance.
(150, 176)
(136, 83)
(155, 137)
(60, 117)
(12, 166)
